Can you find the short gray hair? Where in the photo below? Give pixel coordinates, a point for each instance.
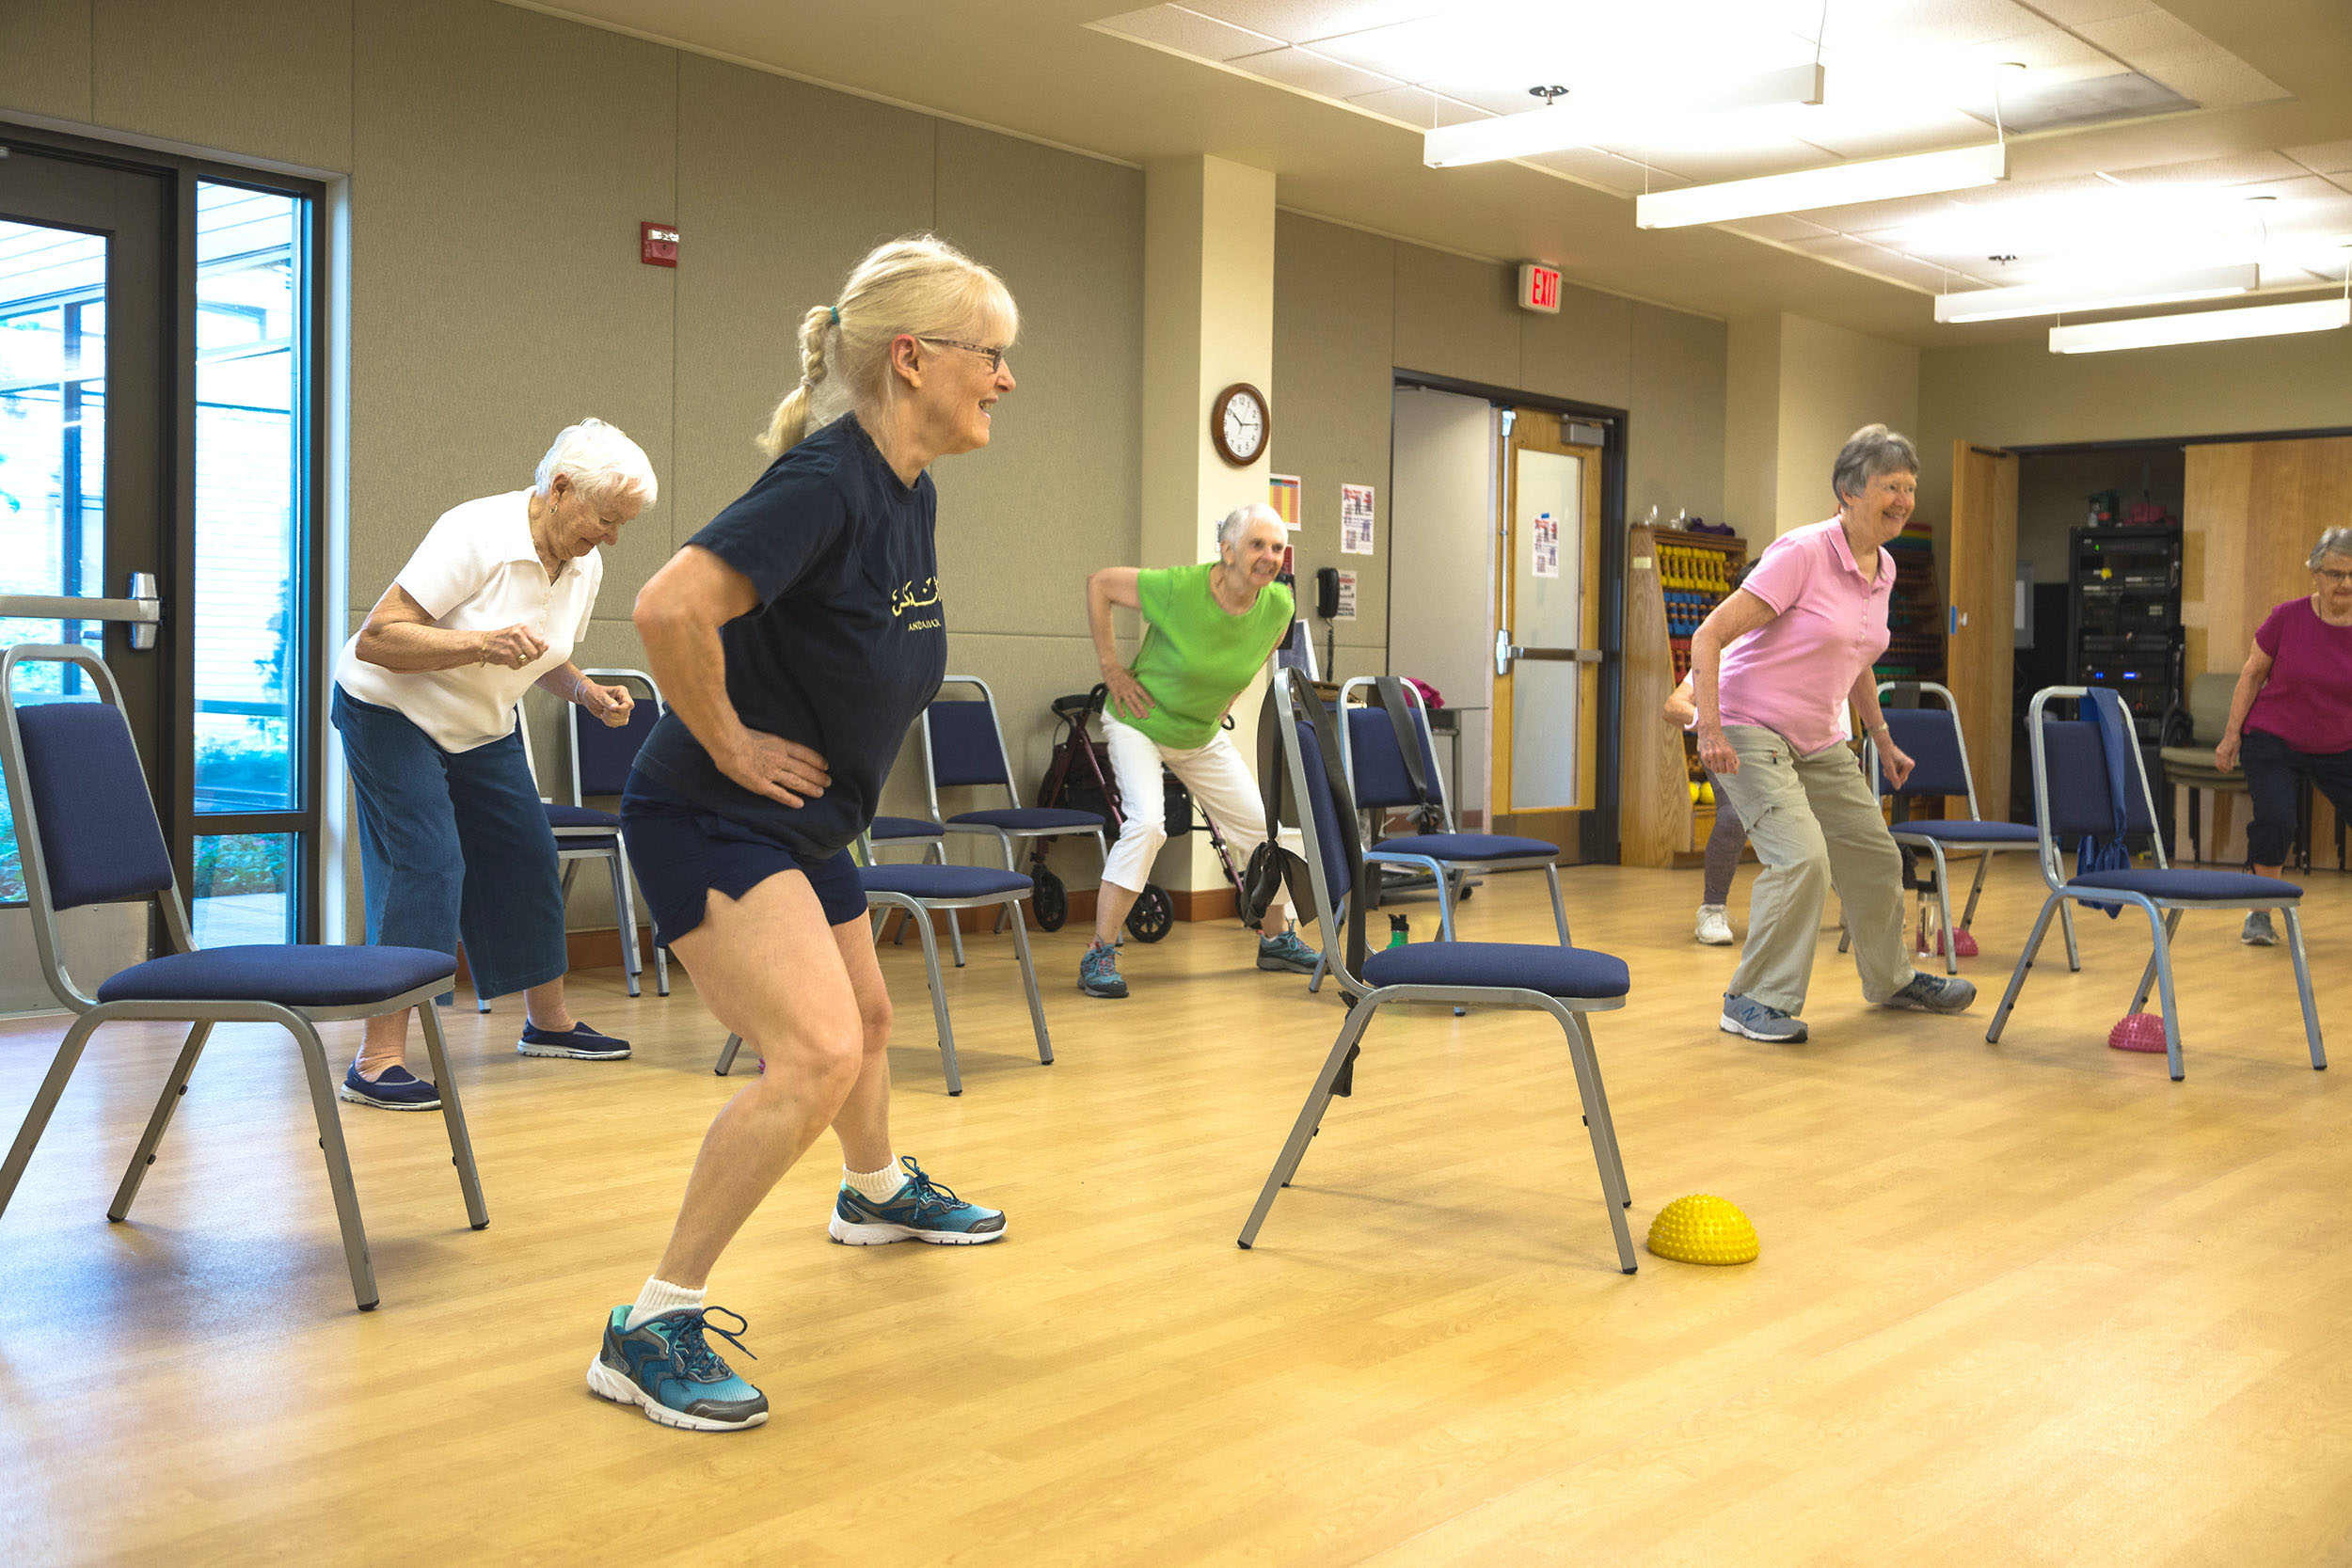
(1872, 450)
(1231, 526)
(601, 461)
(2334, 541)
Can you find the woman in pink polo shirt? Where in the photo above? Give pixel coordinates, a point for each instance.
(1773, 669)
(2292, 713)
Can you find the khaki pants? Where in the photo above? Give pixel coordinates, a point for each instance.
(1815, 827)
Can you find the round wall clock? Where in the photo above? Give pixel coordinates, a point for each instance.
(1239, 422)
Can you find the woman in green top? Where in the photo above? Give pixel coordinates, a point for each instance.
(1208, 630)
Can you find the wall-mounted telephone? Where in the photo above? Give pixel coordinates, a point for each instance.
(1327, 592)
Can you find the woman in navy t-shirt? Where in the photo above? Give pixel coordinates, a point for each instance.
(2291, 715)
(795, 638)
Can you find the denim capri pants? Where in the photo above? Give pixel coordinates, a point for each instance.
(455, 845)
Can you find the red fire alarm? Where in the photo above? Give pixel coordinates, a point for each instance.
(657, 244)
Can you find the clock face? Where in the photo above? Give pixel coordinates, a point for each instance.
(1240, 427)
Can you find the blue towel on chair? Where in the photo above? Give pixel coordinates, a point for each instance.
(2116, 738)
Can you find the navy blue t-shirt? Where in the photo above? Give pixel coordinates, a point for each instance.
(847, 645)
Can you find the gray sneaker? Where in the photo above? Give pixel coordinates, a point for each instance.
(2256, 932)
(1745, 1015)
(1933, 993)
(1287, 952)
(1098, 973)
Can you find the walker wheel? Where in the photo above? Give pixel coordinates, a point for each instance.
(1153, 913)
(1051, 901)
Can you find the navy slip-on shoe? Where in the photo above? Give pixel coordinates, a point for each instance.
(580, 1042)
(395, 1089)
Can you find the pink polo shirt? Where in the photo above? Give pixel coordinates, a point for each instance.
(1791, 676)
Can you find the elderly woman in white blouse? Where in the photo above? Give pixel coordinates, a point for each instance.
(453, 841)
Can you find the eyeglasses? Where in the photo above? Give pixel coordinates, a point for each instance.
(995, 357)
(2335, 580)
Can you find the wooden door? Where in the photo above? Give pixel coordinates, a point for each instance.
(1547, 692)
(1979, 654)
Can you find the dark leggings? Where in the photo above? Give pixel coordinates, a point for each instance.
(1722, 847)
(2272, 767)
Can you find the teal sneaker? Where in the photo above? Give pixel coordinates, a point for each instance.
(921, 1210)
(664, 1366)
(1286, 952)
(1098, 973)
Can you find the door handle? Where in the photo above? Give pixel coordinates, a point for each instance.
(141, 609)
(1507, 650)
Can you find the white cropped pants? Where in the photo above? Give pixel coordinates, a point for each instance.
(1214, 773)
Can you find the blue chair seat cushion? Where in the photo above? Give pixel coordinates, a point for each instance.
(1576, 972)
(291, 977)
(587, 844)
(560, 817)
(943, 882)
(1967, 832)
(903, 827)
(1031, 819)
(1469, 846)
(2219, 886)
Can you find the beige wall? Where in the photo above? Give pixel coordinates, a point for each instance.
(1797, 389)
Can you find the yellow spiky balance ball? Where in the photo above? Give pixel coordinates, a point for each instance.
(1703, 1228)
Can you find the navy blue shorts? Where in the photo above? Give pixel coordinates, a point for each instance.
(680, 852)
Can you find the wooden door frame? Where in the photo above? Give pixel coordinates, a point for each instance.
(1502, 726)
(1599, 840)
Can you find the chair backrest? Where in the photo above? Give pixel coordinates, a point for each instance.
(1931, 738)
(962, 743)
(2069, 779)
(531, 757)
(1327, 862)
(601, 756)
(86, 827)
(1376, 775)
(2209, 697)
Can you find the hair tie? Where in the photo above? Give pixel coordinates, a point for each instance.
(835, 310)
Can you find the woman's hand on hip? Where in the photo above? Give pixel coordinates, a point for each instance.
(511, 647)
(612, 704)
(781, 769)
(1127, 692)
(1715, 752)
(2225, 754)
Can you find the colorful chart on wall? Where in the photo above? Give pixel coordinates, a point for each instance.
(1355, 519)
(1281, 493)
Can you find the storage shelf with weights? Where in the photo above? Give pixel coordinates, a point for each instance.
(1673, 580)
(1915, 614)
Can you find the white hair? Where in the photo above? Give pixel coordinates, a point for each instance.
(600, 462)
(2334, 541)
(1231, 524)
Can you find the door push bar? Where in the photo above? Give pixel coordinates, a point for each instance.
(1505, 651)
(142, 610)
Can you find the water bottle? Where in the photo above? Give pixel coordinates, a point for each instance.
(1399, 932)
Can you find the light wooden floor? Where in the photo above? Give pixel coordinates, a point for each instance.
(2024, 1304)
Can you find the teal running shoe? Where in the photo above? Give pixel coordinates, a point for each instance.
(1098, 973)
(664, 1366)
(921, 1210)
(1286, 952)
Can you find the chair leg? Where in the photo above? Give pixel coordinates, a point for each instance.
(1445, 903)
(454, 1118)
(2164, 994)
(1310, 1116)
(1004, 911)
(339, 1161)
(1322, 957)
(175, 1085)
(1604, 1138)
(2303, 988)
(1559, 905)
(726, 1054)
(1028, 983)
(1608, 1117)
(939, 1000)
(2147, 975)
(625, 910)
(1845, 934)
(1943, 910)
(1976, 889)
(571, 869)
(2024, 962)
(45, 1102)
(2066, 923)
(661, 969)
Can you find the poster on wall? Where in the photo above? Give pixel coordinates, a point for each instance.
(1545, 544)
(1281, 493)
(1355, 519)
(1347, 598)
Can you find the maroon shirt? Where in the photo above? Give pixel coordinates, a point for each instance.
(2307, 701)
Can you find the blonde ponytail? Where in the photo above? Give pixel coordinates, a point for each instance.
(918, 285)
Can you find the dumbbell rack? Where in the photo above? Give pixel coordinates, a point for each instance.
(1673, 580)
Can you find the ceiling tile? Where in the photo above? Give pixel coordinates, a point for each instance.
(1312, 73)
(1417, 51)
(1876, 259)
(1782, 227)
(1709, 165)
(1418, 106)
(2333, 157)
(1610, 171)
(1503, 98)
(1304, 21)
(2244, 168)
(1917, 23)
(2157, 44)
(1175, 27)
(2074, 14)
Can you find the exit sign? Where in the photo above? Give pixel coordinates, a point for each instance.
(1539, 288)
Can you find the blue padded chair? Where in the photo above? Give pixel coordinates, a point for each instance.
(918, 891)
(601, 758)
(2069, 790)
(923, 834)
(1931, 738)
(1565, 982)
(86, 831)
(964, 747)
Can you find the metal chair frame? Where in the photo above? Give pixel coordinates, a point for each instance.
(570, 851)
(2164, 914)
(1367, 999)
(918, 912)
(1004, 836)
(300, 1022)
(576, 717)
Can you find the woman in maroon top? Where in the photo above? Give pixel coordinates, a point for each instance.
(2292, 713)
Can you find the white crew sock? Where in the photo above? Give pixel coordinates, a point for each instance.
(659, 1296)
(875, 1186)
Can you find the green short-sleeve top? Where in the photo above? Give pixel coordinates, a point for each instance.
(1196, 659)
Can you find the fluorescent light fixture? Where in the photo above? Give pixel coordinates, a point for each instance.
(2202, 326)
(2047, 299)
(1839, 185)
(1596, 119)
